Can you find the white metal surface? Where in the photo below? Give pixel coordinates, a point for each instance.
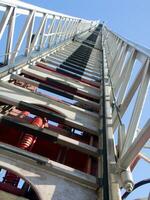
(41, 29)
(44, 30)
(124, 58)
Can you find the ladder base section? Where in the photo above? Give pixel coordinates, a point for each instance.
(48, 183)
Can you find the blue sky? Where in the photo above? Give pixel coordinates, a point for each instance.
(129, 18)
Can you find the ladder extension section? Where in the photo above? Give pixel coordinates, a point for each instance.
(67, 85)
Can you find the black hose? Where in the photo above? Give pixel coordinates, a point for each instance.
(139, 184)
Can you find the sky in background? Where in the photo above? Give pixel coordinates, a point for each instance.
(129, 18)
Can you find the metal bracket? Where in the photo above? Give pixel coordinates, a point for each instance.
(100, 182)
(100, 131)
(40, 162)
(100, 152)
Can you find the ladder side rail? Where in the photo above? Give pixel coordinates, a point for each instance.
(34, 41)
(123, 91)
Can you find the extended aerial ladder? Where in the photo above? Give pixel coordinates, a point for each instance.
(64, 90)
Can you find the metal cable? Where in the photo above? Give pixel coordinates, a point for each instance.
(114, 100)
(138, 184)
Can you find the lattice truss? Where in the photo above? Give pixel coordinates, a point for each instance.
(128, 66)
(29, 29)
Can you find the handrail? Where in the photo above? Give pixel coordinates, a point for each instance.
(23, 5)
(138, 47)
(128, 94)
(41, 30)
